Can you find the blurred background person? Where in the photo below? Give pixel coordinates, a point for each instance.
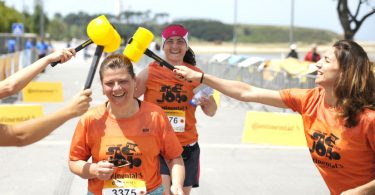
(11, 44)
(312, 55)
(293, 52)
(29, 46)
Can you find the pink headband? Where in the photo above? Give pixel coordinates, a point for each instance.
(174, 30)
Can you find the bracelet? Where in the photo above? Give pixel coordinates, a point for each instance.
(202, 77)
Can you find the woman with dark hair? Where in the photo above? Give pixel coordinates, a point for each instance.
(125, 137)
(338, 115)
(159, 86)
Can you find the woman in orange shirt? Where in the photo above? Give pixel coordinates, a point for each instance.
(338, 115)
(124, 137)
(159, 86)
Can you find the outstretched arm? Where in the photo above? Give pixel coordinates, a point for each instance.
(20, 79)
(33, 130)
(234, 89)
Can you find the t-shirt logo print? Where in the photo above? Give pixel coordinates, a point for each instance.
(324, 144)
(171, 94)
(124, 156)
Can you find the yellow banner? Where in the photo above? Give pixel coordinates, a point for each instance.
(43, 92)
(11, 114)
(274, 128)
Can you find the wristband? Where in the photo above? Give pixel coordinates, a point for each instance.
(202, 77)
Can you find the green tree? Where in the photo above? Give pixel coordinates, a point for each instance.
(209, 30)
(351, 22)
(27, 21)
(35, 19)
(57, 28)
(8, 16)
(160, 18)
(77, 24)
(80, 19)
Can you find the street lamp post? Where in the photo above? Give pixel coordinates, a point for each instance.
(234, 28)
(41, 17)
(119, 10)
(291, 30)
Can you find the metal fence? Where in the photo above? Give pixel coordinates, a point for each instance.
(259, 77)
(11, 63)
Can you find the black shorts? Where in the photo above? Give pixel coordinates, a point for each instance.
(192, 168)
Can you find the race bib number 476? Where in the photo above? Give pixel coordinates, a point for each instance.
(177, 119)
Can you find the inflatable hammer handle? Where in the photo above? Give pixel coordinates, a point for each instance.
(94, 64)
(77, 49)
(162, 62)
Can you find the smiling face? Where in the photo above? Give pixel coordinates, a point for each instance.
(328, 69)
(175, 48)
(118, 86)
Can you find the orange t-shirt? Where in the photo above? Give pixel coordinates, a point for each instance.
(173, 95)
(139, 139)
(345, 157)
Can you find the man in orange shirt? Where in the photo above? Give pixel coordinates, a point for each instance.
(338, 115)
(159, 86)
(124, 136)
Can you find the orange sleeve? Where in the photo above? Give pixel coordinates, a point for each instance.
(299, 99)
(170, 147)
(291, 99)
(79, 149)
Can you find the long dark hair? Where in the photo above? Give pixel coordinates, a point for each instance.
(355, 86)
(189, 57)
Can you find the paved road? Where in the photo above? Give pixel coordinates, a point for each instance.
(227, 165)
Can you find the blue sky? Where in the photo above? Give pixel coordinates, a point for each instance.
(308, 13)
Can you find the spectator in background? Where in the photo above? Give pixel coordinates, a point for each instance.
(29, 44)
(28, 49)
(293, 53)
(50, 47)
(11, 46)
(155, 47)
(312, 55)
(68, 44)
(42, 48)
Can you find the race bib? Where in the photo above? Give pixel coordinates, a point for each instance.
(125, 186)
(177, 119)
